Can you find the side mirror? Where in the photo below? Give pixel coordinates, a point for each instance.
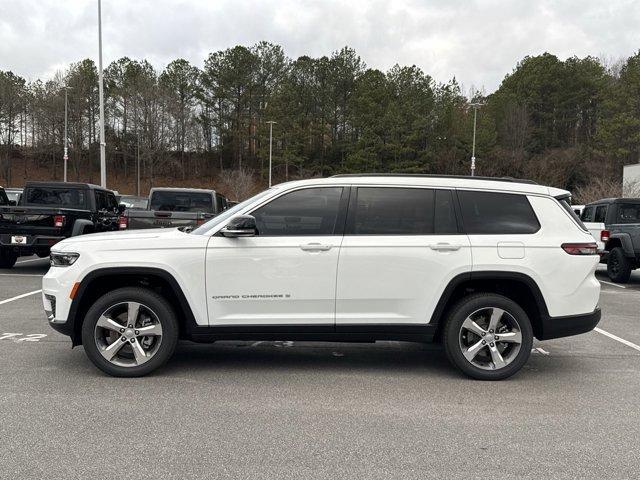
(121, 208)
(240, 226)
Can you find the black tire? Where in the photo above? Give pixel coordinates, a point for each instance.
(618, 266)
(165, 315)
(452, 331)
(7, 259)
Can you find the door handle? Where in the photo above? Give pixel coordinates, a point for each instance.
(315, 247)
(444, 247)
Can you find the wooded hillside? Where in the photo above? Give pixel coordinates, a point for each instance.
(571, 123)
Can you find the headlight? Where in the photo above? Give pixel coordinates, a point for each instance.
(63, 259)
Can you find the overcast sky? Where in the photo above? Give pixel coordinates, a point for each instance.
(477, 42)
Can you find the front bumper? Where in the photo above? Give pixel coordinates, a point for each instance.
(557, 327)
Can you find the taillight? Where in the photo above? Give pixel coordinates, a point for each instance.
(580, 248)
(604, 235)
(123, 222)
(58, 221)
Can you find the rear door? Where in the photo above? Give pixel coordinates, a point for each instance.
(401, 248)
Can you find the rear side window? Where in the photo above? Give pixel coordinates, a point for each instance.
(497, 213)
(628, 213)
(55, 197)
(394, 211)
(222, 202)
(169, 201)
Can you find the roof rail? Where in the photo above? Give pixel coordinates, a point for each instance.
(429, 175)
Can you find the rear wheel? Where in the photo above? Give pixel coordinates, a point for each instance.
(7, 258)
(618, 266)
(488, 336)
(130, 332)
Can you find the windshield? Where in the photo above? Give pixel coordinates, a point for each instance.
(204, 228)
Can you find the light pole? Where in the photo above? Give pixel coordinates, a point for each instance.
(103, 163)
(138, 164)
(475, 106)
(270, 122)
(66, 137)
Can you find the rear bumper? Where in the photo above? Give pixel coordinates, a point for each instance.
(556, 327)
(33, 242)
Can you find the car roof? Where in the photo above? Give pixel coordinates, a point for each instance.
(65, 184)
(178, 189)
(437, 181)
(615, 200)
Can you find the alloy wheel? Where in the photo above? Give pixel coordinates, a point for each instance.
(490, 338)
(128, 334)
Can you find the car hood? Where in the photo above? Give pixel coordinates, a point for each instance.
(128, 238)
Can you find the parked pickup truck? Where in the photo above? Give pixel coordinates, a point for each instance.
(52, 211)
(174, 207)
(618, 220)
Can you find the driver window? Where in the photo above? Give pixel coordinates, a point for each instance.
(312, 211)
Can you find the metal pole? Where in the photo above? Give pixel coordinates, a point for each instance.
(66, 157)
(270, 122)
(103, 163)
(473, 149)
(138, 166)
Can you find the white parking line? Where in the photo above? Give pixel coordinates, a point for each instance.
(32, 260)
(612, 284)
(618, 339)
(20, 275)
(18, 297)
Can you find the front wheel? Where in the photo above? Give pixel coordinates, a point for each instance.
(488, 336)
(130, 332)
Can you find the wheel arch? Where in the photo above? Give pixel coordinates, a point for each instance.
(100, 281)
(519, 287)
(622, 240)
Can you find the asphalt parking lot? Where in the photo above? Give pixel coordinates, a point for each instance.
(299, 410)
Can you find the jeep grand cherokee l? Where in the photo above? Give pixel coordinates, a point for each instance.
(481, 265)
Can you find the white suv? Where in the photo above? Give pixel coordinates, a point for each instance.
(482, 265)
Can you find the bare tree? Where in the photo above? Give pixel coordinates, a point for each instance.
(238, 184)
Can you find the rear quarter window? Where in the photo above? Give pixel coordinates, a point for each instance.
(497, 213)
(628, 213)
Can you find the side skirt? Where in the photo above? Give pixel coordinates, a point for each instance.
(315, 333)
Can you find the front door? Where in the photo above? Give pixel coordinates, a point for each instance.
(401, 248)
(286, 274)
